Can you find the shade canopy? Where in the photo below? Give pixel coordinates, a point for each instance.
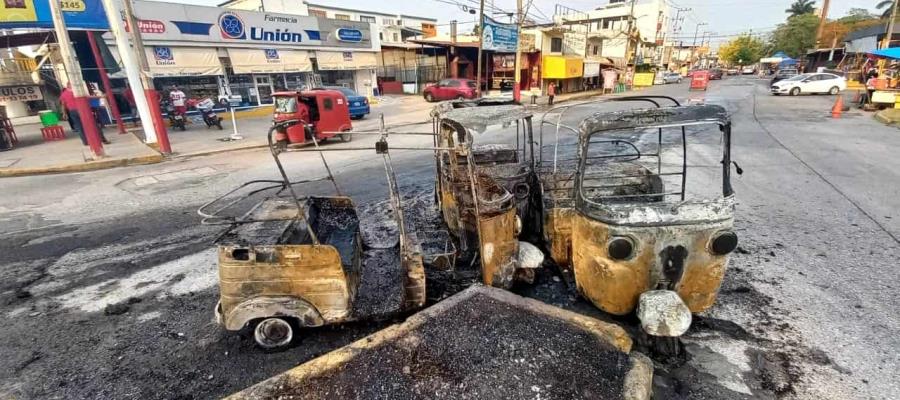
(893, 52)
(345, 60)
(269, 61)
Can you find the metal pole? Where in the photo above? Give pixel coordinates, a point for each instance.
(694, 45)
(480, 37)
(150, 92)
(73, 73)
(517, 85)
(132, 71)
(822, 20)
(107, 87)
(890, 29)
(628, 58)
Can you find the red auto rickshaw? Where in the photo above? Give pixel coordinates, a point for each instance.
(324, 114)
(699, 80)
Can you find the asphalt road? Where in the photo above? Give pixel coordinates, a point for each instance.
(808, 308)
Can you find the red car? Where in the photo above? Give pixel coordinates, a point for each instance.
(450, 89)
(715, 73)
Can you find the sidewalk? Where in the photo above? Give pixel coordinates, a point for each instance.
(33, 156)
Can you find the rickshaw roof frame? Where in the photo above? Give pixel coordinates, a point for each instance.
(665, 117)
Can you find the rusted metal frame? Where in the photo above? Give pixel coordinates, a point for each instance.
(727, 190)
(394, 191)
(327, 168)
(529, 127)
(219, 220)
(683, 161)
(632, 176)
(628, 196)
(301, 211)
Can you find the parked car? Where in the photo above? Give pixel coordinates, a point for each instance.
(449, 89)
(810, 83)
(359, 105)
(748, 70)
(732, 71)
(672, 77)
(782, 74)
(715, 73)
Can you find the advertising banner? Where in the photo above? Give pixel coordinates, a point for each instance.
(499, 37)
(79, 14)
(168, 22)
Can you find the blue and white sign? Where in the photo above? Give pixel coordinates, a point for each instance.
(499, 37)
(349, 35)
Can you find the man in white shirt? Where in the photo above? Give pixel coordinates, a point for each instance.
(177, 98)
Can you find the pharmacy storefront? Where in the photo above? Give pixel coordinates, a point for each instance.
(247, 56)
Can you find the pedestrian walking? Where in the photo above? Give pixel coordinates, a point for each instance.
(177, 97)
(67, 100)
(551, 92)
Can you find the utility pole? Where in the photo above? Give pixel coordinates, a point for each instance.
(888, 36)
(517, 88)
(480, 40)
(73, 73)
(454, 64)
(628, 58)
(822, 20)
(147, 82)
(694, 45)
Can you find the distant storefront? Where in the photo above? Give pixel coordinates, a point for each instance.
(566, 71)
(247, 55)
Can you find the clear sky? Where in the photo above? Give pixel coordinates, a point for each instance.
(726, 18)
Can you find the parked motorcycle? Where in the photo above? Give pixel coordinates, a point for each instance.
(176, 119)
(209, 115)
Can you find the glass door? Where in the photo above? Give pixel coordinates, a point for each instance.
(264, 88)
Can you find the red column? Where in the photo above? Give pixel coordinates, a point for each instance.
(162, 136)
(104, 78)
(89, 125)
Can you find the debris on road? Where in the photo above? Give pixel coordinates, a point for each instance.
(481, 343)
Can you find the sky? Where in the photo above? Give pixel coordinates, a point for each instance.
(726, 18)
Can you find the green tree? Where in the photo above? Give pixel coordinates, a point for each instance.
(856, 15)
(887, 5)
(742, 50)
(801, 7)
(796, 35)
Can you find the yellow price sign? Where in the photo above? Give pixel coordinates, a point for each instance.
(72, 5)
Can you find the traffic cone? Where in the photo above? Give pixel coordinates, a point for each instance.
(838, 107)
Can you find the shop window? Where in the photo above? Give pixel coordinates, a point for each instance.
(381, 36)
(342, 17)
(387, 21)
(366, 18)
(327, 104)
(396, 37)
(556, 45)
(318, 13)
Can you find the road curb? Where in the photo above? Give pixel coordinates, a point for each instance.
(87, 166)
(184, 156)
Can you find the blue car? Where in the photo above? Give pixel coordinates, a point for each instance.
(359, 105)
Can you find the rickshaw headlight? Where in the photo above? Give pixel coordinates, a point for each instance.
(620, 248)
(723, 243)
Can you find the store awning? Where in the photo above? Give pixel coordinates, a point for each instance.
(345, 60)
(269, 61)
(892, 52)
(169, 61)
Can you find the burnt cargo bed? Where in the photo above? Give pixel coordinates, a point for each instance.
(483, 343)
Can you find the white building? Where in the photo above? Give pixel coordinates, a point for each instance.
(606, 28)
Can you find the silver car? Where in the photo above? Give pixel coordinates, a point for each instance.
(672, 77)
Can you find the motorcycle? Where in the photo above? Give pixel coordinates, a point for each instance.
(176, 119)
(209, 116)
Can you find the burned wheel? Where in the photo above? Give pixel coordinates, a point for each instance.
(273, 333)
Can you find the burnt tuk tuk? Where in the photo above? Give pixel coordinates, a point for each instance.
(647, 236)
(299, 261)
(485, 185)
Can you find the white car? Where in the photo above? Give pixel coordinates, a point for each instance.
(748, 70)
(810, 83)
(671, 77)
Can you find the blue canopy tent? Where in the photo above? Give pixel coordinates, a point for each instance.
(787, 62)
(892, 52)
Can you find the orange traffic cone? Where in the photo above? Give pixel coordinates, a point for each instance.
(838, 107)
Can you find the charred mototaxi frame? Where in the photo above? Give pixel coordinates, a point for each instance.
(486, 192)
(300, 261)
(637, 237)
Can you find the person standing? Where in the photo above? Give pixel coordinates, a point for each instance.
(551, 91)
(67, 101)
(177, 98)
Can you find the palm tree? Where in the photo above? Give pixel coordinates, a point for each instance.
(888, 6)
(801, 7)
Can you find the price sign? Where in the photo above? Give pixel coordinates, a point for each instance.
(72, 5)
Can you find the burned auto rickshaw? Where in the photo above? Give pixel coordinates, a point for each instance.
(641, 241)
(297, 261)
(556, 169)
(486, 185)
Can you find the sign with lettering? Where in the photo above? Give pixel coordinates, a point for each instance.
(26, 14)
(20, 93)
(499, 37)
